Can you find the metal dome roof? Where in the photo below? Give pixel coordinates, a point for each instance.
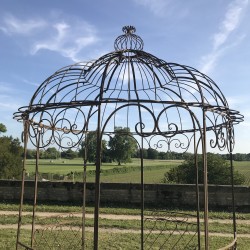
(127, 77)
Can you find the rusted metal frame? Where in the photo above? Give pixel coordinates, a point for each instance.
(217, 93)
(196, 145)
(85, 156)
(97, 181)
(141, 156)
(130, 43)
(142, 165)
(35, 188)
(107, 100)
(142, 195)
(230, 127)
(98, 163)
(84, 204)
(25, 141)
(232, 245)
(204, 154)
(205, 184)
(25, 247)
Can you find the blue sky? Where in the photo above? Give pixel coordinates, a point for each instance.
(39, 37)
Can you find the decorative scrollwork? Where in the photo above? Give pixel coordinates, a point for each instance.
(177, 142)
(57, 130)
(223, 133)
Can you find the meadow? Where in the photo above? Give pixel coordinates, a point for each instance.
(116, 233)
(154, 170)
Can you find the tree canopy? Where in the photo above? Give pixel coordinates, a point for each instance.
(219, 172)
(10, 158)
(69, 154)
(3, 128)
(90, 145)
(122, 145)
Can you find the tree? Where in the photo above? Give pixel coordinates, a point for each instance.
(31, 154)
(152, 153)
(51, 153)
(3, 129)
(144, 152)
(10, 158)
(90, 145)
(219, 172)
(69, 154)
(122, 145)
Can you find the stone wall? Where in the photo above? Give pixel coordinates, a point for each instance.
(160, 194)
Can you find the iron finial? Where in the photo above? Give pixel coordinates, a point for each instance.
(129, 29)
(129, 40)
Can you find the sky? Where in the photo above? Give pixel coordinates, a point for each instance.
(39, 37)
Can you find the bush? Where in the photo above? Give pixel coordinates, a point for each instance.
(10, 158)
(219, 172)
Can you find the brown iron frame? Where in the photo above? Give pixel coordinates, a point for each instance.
(128, 80)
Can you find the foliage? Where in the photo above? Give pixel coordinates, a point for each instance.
(122, 145)
(31, 154)
(219, 172)
(51, 153)
(69, 154)
(3, 129)
(237, 157)
(90, 146)
(152, 153)
(10, 158)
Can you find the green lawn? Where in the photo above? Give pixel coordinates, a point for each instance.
(153, 170)
(49, 239)
(244, 168)
(111, 241)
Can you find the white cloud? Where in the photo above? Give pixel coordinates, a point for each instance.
(9, 106)
(230, 23)
(238, 100)
(68, 40)
(5, 87)
(29, 82)
(158, 7)
(67, 36)
(12, 25)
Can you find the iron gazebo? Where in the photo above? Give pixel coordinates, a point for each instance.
(164, 105)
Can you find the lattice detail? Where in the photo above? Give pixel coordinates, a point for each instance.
(170, 231)
(60, 234)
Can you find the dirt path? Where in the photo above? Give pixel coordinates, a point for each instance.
(119, 231)
(114, 217)
(119, 217)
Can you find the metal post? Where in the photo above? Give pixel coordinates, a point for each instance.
(232, 182)
(35, 190)
(97, 182)
(197, 192)
(142, 196)
(84, 203)
(25, 141)
(204, 149)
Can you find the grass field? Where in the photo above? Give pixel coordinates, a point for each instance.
(110, 241)
(244, 168)
(153, 170)
(112, 234)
